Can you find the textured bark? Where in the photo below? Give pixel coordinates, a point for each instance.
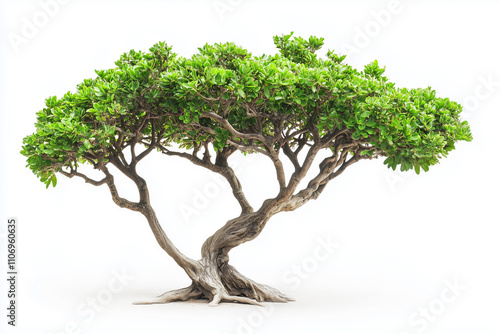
(166, 244)
(212, 277)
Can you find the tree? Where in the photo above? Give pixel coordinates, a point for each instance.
(287, 107)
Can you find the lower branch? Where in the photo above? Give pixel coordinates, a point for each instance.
(87, 179)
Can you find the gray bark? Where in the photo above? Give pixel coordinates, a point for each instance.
(212, 277)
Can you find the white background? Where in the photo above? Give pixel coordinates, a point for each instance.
(400, 237)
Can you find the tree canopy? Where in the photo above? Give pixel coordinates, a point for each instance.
(226, 97)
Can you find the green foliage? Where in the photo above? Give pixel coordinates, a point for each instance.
(158, 94)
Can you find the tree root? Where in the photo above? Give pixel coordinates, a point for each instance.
(222, 286)
(189, 293)
(237, 283)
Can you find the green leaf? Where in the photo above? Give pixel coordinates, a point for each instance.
(266, 91)
(241, 93)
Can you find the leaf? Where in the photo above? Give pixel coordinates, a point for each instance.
(241, 93)
(266, 91)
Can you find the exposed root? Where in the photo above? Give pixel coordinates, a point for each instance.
(238, 284)
(184, 294)
(215, 300)
(226, 285)
(236, 299)
(243, 300)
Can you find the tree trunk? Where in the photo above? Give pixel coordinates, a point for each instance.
(182, 260)
(212, 277)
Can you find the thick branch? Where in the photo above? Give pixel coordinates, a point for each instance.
(121, 202)
(166, 244)
(326, 168)
(268, 142)
(318, 184)
(225, 170)
(292, 156)
(280, 172)
(224, 122)
(130, 172)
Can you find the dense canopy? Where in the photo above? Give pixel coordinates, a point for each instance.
(157, 98)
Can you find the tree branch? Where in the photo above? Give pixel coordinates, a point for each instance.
(247, 148)
(87, 179)
(130, 172)
(152, 144)
(121, 202)
(220, 168)
(292, 156)
(268, 142)
(318, 184)
(224, 122)
(280, 172)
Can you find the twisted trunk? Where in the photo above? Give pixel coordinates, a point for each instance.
(212, 277)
